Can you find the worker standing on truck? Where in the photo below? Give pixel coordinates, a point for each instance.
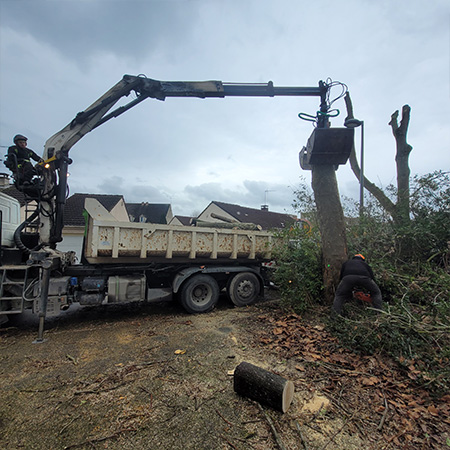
(356, 273)
(18, 160)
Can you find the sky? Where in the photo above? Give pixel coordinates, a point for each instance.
(58, 56)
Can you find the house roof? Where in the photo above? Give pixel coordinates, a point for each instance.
(12, 191)
(73, 209)
(153, 212)
(185, 220)
(266, 219)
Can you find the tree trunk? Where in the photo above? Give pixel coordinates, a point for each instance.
(402, 161)
(263, 386)
(331, 225)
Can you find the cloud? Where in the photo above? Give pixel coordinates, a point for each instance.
(56, 58)
(85, 29)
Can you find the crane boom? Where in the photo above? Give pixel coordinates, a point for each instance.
(56, 151)
(95, 115)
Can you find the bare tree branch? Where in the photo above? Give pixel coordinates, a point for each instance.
(384, 201)
(382, 198)
(394, 122)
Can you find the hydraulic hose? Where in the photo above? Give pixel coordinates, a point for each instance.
(17, 238)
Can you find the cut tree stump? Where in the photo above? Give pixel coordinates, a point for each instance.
(263, 386)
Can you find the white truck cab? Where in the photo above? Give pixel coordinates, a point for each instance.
(10, 219)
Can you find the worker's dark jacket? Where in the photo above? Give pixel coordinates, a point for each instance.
(21, 155)
(356, 272)
(356, 267)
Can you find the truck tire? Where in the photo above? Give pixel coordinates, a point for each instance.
(244, 288)
(199, 294)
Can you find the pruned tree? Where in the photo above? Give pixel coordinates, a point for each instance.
(331, 224)
(399, 211)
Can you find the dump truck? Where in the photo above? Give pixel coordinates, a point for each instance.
(123, 261)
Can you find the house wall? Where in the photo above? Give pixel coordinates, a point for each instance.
(31, 207)
(72, 241)
(169, 215)
(214, 209)
(175, 221)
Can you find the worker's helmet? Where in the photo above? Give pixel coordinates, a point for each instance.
(358, 255)
(19, 137)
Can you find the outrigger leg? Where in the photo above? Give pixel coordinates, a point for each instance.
(45, 283)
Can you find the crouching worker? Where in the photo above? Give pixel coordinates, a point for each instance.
(356, 273)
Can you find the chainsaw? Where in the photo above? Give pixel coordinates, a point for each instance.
(361, 295)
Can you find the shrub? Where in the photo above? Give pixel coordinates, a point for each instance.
(414, 327)
(299, 272)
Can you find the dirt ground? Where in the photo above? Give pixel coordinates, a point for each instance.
(154, 377)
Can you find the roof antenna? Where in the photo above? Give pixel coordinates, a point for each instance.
(265, 207)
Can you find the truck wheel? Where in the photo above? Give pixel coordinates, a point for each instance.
(199, 294)
(244, 288)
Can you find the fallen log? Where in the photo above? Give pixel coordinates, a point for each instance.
(263, 386)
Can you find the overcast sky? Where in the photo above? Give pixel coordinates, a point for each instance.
(58, 56)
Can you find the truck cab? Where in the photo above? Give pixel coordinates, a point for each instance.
(9, 219)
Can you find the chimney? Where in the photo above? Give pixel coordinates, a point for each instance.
(4, 180)
(264, 207)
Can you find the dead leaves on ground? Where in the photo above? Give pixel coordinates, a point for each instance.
(372, 383)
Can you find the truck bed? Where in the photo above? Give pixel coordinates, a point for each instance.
(109, 241)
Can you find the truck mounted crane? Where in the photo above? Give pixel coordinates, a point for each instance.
(238, 271)
(57, 148)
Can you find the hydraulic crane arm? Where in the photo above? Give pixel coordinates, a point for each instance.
(57, 147)
(96, 114)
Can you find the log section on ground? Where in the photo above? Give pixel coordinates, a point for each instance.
(263, 386)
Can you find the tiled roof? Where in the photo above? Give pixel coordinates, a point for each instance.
(266, 219)
(73, 209)
(153, 212)
(185, 220)
(12, 191)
